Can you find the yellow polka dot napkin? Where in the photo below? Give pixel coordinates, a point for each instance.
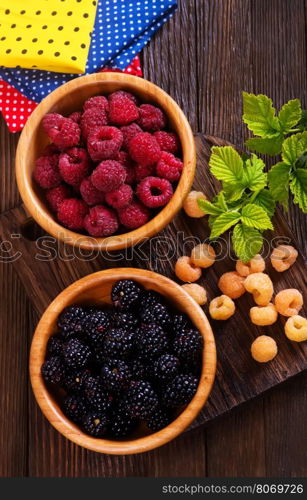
(51, 35)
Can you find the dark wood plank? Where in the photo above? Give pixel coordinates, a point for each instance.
(285, 430)
(204, 57)
(278, 59)
(170, 59)
(9, 195)
(14, 313)
(236, 443)
(223, 41)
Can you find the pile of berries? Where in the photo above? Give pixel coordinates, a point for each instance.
(110, 167)
(138, 361)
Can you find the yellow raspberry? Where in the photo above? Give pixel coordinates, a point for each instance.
(197, 292)
(264, 349)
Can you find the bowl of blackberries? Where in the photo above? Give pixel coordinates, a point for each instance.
(105, 161)
(122, 361)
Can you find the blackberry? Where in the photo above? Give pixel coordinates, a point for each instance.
(98, 357)
(125, 320)
(94, 325)
(151, 341)
(118, 343)
(125, 294)
(148, 298)
(137, 369)
(159, 419)
(71, 319)
(188, 345)
(76, 354)
(180, 390)
(115, 375)
(54, 346)
(156, 313)
(180, 322)
(141, 400)
(53, 370)
(95, 424)
(75, 380)
(121, 422)
(74, 407)
(95, 394)
(165, 368)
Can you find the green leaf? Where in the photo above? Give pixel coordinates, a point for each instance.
(301, 162)
(253, 176)
(278, 179)
(226, 164)
(302, 124)
(298, 188)
(289, 115)
(265, 200)
(255, 216)
(260, 115)
(246, 241)
(221, 202)
(265, 146)
(224, 222)
(293, 147)
(211, 220)
(209, 208)
(233, 191)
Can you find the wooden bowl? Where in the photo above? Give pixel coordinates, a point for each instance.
(70, 97)
(95, 289)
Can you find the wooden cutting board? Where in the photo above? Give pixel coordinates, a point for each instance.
(46, 266)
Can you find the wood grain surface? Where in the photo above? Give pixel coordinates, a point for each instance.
(204, 57)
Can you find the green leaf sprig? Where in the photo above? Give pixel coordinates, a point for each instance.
(248, 196)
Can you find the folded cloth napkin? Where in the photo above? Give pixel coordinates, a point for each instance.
(121, 30)
(50, 34)
(16, 108)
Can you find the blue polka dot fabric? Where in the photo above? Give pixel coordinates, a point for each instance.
(122, 28)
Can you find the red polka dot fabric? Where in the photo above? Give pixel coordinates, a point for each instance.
(16, 108)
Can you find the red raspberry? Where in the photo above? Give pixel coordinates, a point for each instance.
(101, 221)
(129, 165)
(71, 213)
(91, 119)
(122, 108)
(46, 172)
(108, 176)
(169, 167)
(98, 101)
(142, 171)
(151, 118)
(144, 149)
(76, 117)
(129, 131)
(50, 150)
(90, 194)
(123, 93)
(56, 195)
(74, 166)
(64, 132)
(154, 192)
(104, 143)
(168, 141)
(134, 215)
(121, 197)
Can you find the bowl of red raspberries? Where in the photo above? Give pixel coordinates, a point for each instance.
(122, 361)
(105, 161)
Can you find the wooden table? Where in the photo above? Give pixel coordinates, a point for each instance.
(204, 57)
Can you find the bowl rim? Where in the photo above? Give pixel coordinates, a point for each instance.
(51, 410)
(35, 206)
